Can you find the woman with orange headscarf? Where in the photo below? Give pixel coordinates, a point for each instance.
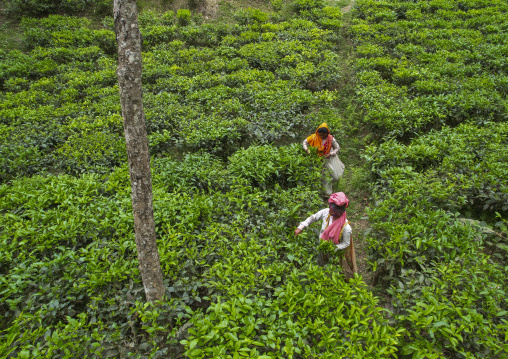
(328, 147)
(324, 142)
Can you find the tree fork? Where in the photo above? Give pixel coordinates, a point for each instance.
(129, 72)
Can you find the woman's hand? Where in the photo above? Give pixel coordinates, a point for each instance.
(327, 155)
(297, 231)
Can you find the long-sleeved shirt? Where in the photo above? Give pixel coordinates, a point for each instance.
(333, 151)
(323, 215)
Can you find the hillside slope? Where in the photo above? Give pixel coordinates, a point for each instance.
(414, 92)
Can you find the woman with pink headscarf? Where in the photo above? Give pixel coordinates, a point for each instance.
(335, 226)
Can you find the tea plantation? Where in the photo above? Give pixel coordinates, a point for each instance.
(417, 88)
(431, 78)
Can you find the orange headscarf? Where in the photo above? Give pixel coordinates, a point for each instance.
(316, 141)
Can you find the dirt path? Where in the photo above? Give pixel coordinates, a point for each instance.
(352, 184)
(210, 8)
(355, 182)
(10, 33)
(347, 9)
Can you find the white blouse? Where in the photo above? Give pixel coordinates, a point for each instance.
(333, 151)
(323, 215)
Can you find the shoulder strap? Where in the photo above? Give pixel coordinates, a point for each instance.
(328, 220)
(345, 224)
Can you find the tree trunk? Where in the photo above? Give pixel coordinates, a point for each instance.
(129, 40)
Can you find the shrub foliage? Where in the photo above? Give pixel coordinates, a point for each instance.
(431, 81)
(220, 100)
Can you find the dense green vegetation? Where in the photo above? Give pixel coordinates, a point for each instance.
(217, 97)
(432, 81)
(428, 64)
(227, 104)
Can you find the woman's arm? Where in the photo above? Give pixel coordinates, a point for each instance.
(346, 237)
(305, 145)
(335, 147)
(315, 217)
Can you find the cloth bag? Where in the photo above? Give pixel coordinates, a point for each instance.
(349, 261)
(336, 167)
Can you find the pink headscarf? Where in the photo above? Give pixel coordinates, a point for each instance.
(333, 231)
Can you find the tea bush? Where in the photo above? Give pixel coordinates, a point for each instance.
(456, 307)
(438, 276)
(430, 65)
(266, 167)
(218, 97)
(207, 86)
(290, 323)
(81, 275)
(91, 152)
(151, 18)
(183, 17)
(468, 160)
(431, 84)
(302, 5)
(411, 243)
(250, 15)
(200, 171)
(37, 8)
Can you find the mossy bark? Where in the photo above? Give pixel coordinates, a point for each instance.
(129, 71)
